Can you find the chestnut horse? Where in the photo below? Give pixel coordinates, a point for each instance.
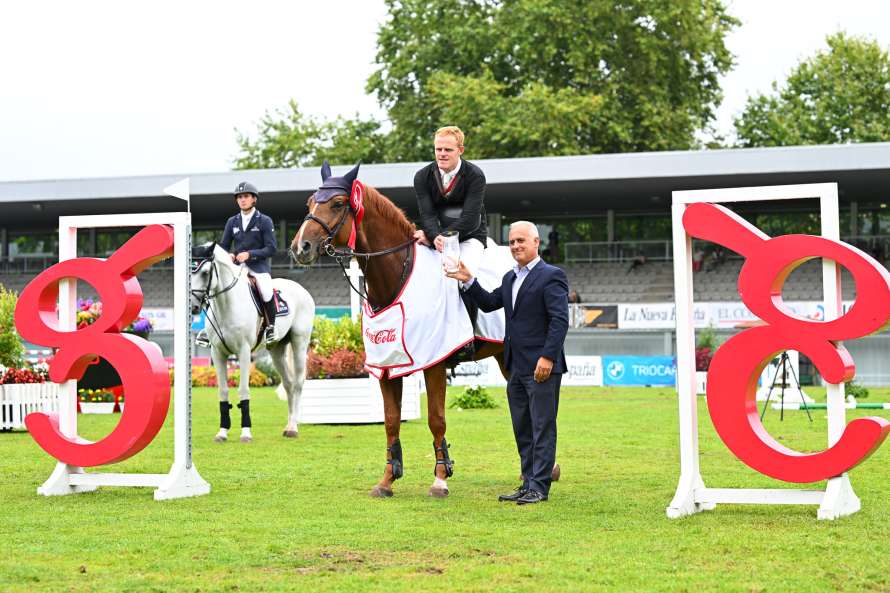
(382, 247)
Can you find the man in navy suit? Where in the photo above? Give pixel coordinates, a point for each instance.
(534, 296)
(250, 238)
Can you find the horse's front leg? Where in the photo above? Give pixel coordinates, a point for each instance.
(392, 417)
(244, 392)
(435, 397)
(225, 419)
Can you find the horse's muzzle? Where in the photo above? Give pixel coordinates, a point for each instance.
(305, 255)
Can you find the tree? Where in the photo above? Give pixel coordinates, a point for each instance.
(549, 77)
(523, 78)
(288, 138)
(11, 348)
(837, 96)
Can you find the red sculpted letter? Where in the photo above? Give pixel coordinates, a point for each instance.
(141, 367)
(732, 377)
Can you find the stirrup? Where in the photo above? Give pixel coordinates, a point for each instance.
(269, 334)
(202, 340)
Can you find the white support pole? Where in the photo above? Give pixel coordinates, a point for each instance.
(691, 496)
(183, 478)
(684, 502)
(840, 500)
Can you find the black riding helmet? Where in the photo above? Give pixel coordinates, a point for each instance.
(245, 187)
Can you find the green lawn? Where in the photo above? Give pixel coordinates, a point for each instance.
(294, 515)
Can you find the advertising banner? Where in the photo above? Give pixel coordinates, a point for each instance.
(716, 314)
(639, 370)
(601, 316)
(583, 370)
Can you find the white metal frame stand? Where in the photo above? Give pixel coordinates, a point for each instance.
(838, 499)
(183, 478)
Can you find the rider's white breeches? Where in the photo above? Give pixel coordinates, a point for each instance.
(471, 252)
(263, 283)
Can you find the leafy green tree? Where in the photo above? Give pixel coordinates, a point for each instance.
(837, 96)
(550, 77)
(11, 348)
(289, 138)
(523, 78)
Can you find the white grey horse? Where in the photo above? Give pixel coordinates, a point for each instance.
(233, 327)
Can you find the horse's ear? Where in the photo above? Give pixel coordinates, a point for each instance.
(351, 176)
(325, 170)
(203, 251)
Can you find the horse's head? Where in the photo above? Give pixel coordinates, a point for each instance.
(330, 209)
(210, 259)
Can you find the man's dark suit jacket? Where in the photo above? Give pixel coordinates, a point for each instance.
(258, 239)
(538, 323)
(463, 210)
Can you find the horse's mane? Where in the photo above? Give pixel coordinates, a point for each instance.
(387, 211)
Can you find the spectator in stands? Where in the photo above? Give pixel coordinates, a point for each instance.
(574, 297)
(553, 244)
(250, 237)
(698, 257)
(717, 259)
(636, 262)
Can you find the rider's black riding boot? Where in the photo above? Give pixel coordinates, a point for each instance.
(225, 420)
(269, 316)
(244, 405)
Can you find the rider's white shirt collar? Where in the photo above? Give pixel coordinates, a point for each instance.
(245, 218)
(447, 177)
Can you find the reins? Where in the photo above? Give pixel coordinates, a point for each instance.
(204, 297)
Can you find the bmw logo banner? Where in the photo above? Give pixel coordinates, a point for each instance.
(639, 370)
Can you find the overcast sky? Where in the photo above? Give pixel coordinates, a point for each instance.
(92, 89)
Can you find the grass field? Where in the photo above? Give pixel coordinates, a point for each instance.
(294, 515)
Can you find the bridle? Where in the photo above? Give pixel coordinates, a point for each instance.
(204, 296)
(346, 253)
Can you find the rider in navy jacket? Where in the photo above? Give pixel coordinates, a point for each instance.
(258, 239)
(250, 237)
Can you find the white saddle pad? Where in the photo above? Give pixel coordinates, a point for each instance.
(428, 322)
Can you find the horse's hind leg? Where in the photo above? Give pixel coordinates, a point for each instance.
(392, 417)
(225, 419)
(289, 358)
(435, 397)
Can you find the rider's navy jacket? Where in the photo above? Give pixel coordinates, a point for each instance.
(258, 239)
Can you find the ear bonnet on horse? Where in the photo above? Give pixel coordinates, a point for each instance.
(332, 187)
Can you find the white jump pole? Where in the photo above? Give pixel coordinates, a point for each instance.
(183, 478)
(838, 499)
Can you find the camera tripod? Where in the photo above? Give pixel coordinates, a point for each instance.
(783, 367)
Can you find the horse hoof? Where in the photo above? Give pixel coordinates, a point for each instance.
(437, 492)
(554, 475)
(246, 439)
(220, 439)
(290, 434)
(380, 492)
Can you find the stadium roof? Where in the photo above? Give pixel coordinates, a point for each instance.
(520, 187)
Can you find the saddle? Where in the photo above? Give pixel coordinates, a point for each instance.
(281, 306)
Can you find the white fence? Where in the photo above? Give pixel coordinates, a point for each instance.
(20, 399)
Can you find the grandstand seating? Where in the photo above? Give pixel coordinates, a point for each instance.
(601, 283)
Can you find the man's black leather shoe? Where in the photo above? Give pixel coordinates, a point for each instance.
(516, 495)
(531, 497)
